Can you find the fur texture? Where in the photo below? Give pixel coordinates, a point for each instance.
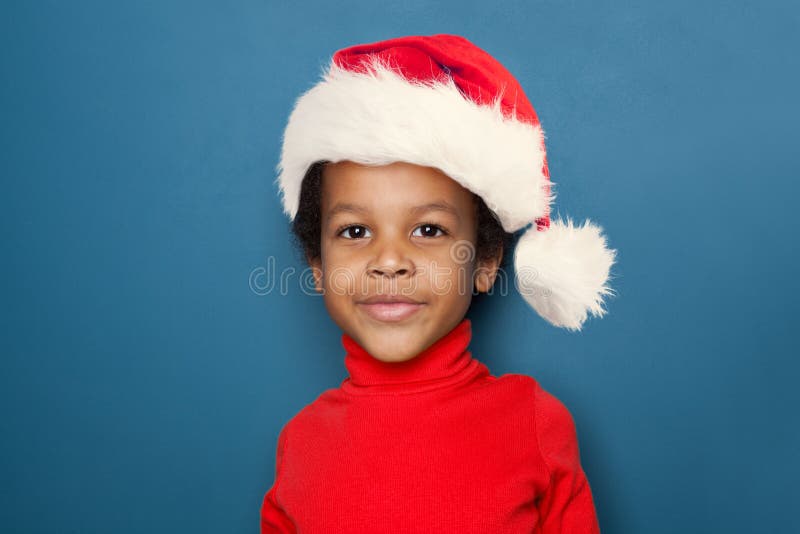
(563, 272)
(379, 117)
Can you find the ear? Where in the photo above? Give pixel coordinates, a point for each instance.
(486, 272)
(316, 271)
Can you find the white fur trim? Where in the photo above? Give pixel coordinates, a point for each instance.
(562, 272)
(379, 117)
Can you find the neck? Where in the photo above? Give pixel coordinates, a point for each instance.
(446, 362)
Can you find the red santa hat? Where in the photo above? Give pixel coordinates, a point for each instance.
(440, 101)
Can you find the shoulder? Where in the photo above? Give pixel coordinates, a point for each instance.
(546, 405)
(313, 415)
(552, 422)
(544, 401)
(554, 428)
(527, 393)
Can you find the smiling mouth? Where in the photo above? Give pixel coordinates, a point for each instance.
(391, 312)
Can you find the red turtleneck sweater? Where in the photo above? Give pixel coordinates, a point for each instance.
(432, 444)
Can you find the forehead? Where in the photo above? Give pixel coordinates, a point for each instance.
(398, 184)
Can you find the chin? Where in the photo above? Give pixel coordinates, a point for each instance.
(390, 350)
(397, 358)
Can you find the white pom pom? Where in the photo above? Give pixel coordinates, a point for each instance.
(563, 271)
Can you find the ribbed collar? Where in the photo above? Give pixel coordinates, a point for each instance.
(448, 361)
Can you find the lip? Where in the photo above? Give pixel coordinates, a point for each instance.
(391, 312)
(389, 299)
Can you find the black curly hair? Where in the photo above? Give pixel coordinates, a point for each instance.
(307, 225)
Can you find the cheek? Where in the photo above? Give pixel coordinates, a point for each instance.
(449, 278)
(340, 280)
(343, 274)
(462, 253)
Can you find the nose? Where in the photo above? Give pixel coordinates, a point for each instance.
(391, 259)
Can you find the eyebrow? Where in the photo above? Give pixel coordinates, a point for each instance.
(438, 205)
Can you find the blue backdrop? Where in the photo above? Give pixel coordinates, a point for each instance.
(145, 376)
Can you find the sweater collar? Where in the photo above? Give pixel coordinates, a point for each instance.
(447, 361)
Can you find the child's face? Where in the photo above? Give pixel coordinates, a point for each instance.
(379, 240)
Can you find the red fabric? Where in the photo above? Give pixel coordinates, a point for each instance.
(433, 444)
(478, 76)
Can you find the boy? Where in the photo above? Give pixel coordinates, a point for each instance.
(407, 172)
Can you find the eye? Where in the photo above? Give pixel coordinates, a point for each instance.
(355, 231)
(429, 227)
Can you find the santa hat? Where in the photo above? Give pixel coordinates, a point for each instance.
(440, 101)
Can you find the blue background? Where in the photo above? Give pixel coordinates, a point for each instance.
(143, 380)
